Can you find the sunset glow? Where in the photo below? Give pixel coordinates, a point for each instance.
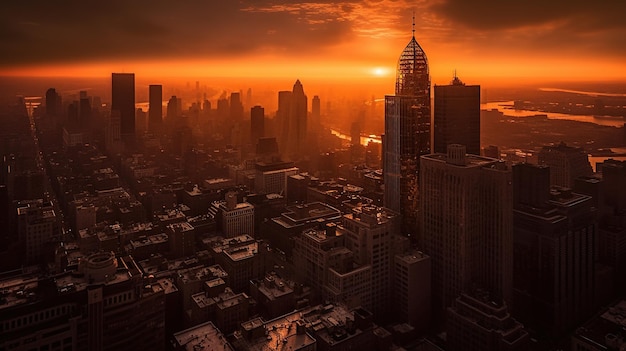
(316, 40)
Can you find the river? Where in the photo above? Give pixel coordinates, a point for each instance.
(506, 107)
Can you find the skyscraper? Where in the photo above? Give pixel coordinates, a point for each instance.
(467, 224)
(315, 113)
(457, 116)
(566, 163)
(84, 111)
(257, 124)
(53, 102)
(282, 118)
(553, 249)
(155, 111)
(123, 100)
(297, 120)
(407, 135)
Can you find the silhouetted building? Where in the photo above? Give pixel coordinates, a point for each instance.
(554, 244)
(53, 102)
(257, 124)
(84, 111)
(407, 135)
(298, 111)
(566, 164)
(457, 116)
(172, 110)
(155, 111)
(282, 119)
(466, 206)
(315, 112)
(236, 107)
(123, 100)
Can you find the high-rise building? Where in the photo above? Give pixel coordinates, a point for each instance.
(123, 100)
(37, 226)
(466, 219)
(554, 249)
(257, 124)
(315, 113)
(315, 107)
(321, 259)
(407, 135)
(297, 121)
(53, 102)
(369, 235)
(172, 109)
(457, 116)
(84, 111)
(155, 112)
(566, 163)
(236, 107)
(282, 118)
(411, 292)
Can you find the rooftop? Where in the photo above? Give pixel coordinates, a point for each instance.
(202, 337)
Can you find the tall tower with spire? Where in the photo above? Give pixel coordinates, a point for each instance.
(407, 135)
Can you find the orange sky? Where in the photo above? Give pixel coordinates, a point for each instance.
(487, 42)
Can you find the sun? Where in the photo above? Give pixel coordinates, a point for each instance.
(380, 71)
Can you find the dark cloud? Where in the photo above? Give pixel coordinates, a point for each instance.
(39, 31)
(572, 27)
(507, 14)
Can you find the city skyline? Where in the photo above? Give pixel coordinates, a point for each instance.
(354, 40)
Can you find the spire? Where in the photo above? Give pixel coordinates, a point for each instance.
(413, 24)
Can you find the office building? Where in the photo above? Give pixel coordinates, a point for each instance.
(257, 124)
(457, 116)
(316, 121)
(322, 260)
(53, 103)
(566, 164)
(369, 235)
(123, 100)
(235, 218)
(291, 119)
(236, 107)
(37, 228)
(271, 177)
(103, 304)
(407, 136)
(412, 286)
(155, 110)
(554, 245)
(466, 218)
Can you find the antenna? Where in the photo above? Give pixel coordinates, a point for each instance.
(413, 24)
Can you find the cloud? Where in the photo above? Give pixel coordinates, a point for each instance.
(43, 31)
(537, 27)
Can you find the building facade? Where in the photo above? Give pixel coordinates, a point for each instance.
(457, 116)
(407, 135)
